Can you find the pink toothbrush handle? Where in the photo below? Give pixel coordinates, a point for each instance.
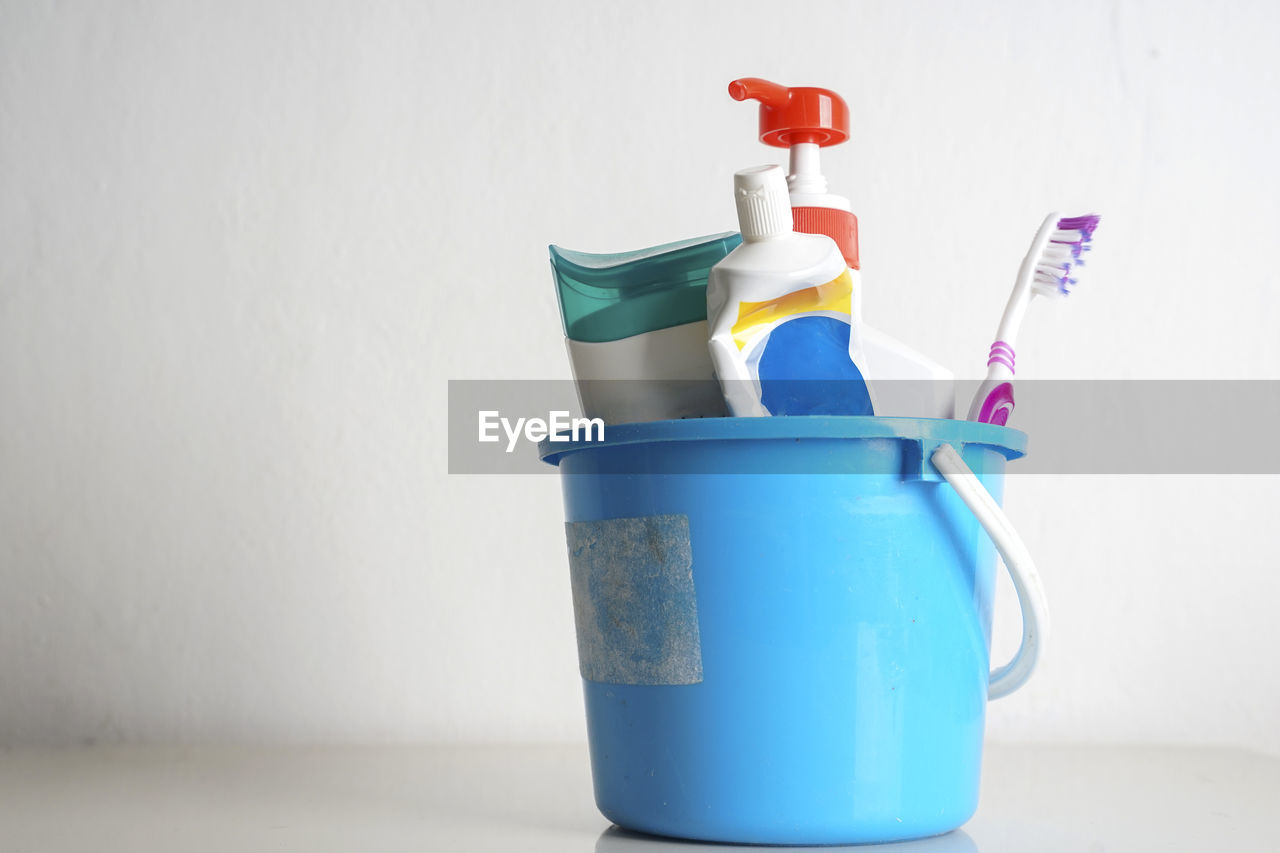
(998, 405)
(996, 392)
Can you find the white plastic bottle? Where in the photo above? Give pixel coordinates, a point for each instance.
(804, 120)
(780, 313)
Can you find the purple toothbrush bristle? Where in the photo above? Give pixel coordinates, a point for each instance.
(1084, 224)
(1064, 252)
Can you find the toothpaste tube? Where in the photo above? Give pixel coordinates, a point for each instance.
(783, 336)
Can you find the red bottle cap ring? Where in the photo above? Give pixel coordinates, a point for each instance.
(839, 225)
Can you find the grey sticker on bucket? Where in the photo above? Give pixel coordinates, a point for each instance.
(633, 600)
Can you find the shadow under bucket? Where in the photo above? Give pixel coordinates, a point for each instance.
(784, 623)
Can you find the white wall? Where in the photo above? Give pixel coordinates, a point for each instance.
(243, 246)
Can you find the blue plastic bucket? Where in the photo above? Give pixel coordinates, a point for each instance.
(783, 624)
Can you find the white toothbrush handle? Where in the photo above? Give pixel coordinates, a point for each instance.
(994, 401)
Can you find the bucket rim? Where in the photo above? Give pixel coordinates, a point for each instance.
(1010, 442)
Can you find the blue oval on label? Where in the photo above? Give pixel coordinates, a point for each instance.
(805, 369)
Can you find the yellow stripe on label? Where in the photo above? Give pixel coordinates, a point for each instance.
(832, 296)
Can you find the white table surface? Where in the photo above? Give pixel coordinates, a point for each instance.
(538, 798)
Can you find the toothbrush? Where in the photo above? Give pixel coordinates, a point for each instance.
(1046, 270)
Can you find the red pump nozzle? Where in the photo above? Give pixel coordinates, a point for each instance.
(792, 115)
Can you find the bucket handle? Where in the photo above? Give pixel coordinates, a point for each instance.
(1017, 559)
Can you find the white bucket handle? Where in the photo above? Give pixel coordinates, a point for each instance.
(1035, 610)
